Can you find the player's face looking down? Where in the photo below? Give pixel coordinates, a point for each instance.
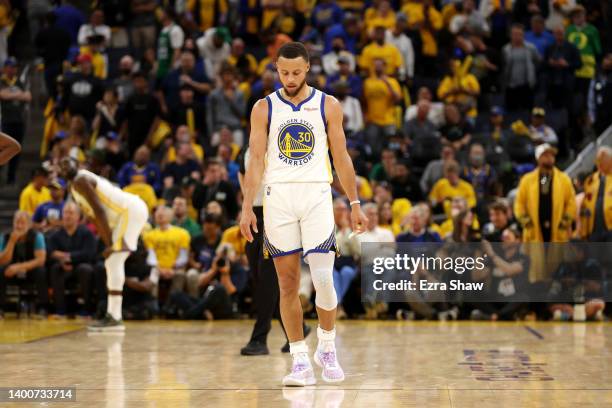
(292, 74)
(68, 168)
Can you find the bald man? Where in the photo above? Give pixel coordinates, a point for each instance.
(596, 209)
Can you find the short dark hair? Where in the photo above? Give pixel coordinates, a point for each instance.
(293, 50)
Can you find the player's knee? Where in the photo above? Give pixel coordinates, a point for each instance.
(321, 272)
(289, 284)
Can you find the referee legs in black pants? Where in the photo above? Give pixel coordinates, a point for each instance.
(266, 293)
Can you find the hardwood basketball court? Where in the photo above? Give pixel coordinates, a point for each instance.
(388, 364)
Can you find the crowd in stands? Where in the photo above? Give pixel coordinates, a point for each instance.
(458, 116)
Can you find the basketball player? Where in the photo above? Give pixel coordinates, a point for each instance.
(119, 218)
(291, 132)
(9, 147)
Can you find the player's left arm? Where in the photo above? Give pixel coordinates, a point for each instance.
(9, 147)
(342, 160)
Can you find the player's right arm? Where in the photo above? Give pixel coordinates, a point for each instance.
(86, 188)
(9, 147)
(258, 143)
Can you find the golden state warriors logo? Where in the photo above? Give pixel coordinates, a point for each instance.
(296, 142)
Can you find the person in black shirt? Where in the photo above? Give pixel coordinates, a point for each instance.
(72, 252)
(214, 187)
(404, 185)
(140, 115)
(189, 112)
(183, 167)
(52, 44)
(82, 91)
(14, 97)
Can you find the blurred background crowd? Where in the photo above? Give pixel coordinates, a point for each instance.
(460, 116)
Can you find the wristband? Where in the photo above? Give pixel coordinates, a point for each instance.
(354, 202)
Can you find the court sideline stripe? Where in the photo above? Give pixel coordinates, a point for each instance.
(534, 332)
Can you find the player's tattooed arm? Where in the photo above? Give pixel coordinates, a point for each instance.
(85, 187)
(258, 143)
(9, 147)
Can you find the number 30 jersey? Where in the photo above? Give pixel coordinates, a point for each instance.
(297, 149)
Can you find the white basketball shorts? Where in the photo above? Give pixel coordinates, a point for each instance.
(130, 224)
(298, 217)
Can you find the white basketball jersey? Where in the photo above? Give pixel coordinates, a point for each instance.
(115, 201)
(297, 140)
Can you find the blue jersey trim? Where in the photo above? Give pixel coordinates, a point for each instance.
(323, 95)
(299, 106)
(269, 112)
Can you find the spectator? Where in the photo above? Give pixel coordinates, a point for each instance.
(187, 74)
(184, 135)
(539, 36)
(202, 253)
(22, 259)
(558, 12)
(382, 93)
(82, 90)
(215, 187)
(168, 250)
(397, 37)
(435, 169)
(349, 30)
(206, 14)
(420, 126)
(427, 20)
(378, 49)
(95, 26)
(36, 192)
(214, 48)
(353, 116)
(509, 279)
(48, 215)
(596, 209)
(140, 116)
(600, 96)
(562, 59)
(451, 186)
(539, 131)
(14, 99)
(52, 44)
(181, 217)
(403, 182)
(586, 38)
(460, 88)
(262, 88)
(469, 24)
(169, 43)
(346, 74)
(72, 253)
(380, 13)
(417, 230)
(457, 131)
(70, 19)
(123, 83)
(480, 175)
(139, 302)
(331, 59)
(142, 27)
(383, 170)
(142, 169)
(185, 165)
(521, 61)
(499, 220)
(545, 205)
(145, 191)
(326, 14)
(107, 111)
(226, 107)
(244, 62)
(497, 129)
(189, 112)
(436, 109)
